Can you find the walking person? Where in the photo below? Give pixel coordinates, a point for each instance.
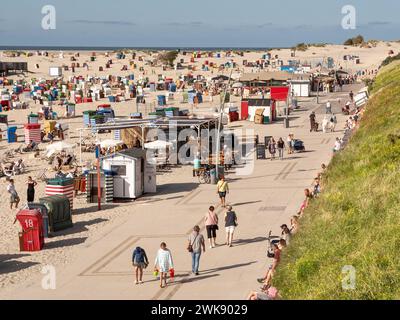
(328, 108)
(272, 148)
(281, 146)
(230, 225)
(31, 189)
(211, 223)
(14, 198)
(140, 262)
(196, 243)
(163, 263)
(313, 124)
(222, 190)
(289, 140)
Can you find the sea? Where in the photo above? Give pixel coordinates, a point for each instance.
(78, 48)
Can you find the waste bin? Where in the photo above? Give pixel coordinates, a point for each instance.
(31, 238)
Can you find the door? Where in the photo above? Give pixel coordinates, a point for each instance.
(121, 185)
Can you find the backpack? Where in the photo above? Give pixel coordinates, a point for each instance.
(138, 255)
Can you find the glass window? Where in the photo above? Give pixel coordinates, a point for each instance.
(119, 170)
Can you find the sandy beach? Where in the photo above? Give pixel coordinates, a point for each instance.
(18, 267)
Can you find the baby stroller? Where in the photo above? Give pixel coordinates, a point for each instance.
(271, 240)
(298, 146)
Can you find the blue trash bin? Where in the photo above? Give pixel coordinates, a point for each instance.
(111, 98)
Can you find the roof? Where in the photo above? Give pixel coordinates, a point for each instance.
(134, 153)
(258, 102)
(271, 75)
(118, 124)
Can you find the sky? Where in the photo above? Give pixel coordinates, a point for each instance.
(189, 23)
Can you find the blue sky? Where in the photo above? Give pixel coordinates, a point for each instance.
(205, 23)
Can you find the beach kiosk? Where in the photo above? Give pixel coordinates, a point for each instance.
(132, 176)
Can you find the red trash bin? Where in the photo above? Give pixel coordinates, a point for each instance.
(31, 238)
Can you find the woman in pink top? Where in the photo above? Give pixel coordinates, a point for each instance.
(211, 222)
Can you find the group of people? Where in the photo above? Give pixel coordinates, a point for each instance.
(196, 244)
(13, 168)
(272, 146)
(14, 197)
(267, 292)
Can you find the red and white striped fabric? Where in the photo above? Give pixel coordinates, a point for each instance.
(33, 135)
(32, 132)
(67, 191)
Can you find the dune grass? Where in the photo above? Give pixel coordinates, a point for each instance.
(356, 221)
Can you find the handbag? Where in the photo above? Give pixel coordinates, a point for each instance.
(190, 246)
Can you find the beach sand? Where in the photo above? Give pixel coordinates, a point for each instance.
(15, 266)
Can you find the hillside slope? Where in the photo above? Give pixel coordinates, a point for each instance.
(356, 221)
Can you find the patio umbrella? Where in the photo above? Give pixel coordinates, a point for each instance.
(158, 144)
(58, 147)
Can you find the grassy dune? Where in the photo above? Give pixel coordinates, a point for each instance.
(356, 221)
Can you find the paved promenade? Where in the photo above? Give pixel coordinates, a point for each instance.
(262, 201)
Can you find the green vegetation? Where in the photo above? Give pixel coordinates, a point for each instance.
(304, 46)
(356, 41)
(389, 60)
(168, 57)
(356, 221)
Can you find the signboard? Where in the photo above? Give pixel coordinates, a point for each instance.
(261, 151)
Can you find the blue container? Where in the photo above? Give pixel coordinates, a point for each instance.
(131, 77)
(17, 89)
(111, 98)
(12, 134)
(172, 87)
(161, 100)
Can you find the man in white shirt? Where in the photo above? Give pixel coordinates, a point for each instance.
(328, 108)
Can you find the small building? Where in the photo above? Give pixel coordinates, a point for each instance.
(300, 88)
(132, 174)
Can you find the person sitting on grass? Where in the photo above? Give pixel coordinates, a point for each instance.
(294, 224)
(285, 235)
(270, 293)
(306, 201)
(317, 188)
(271, 270)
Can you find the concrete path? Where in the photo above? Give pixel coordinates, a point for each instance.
(263, 201)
